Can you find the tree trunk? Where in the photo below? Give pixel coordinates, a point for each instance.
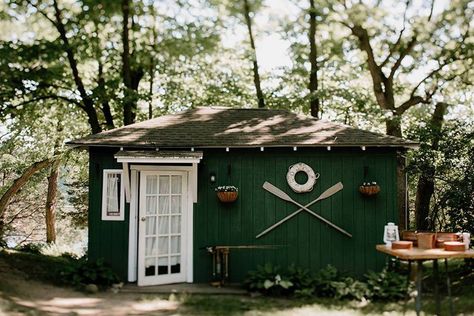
(256, 75)
(150, 103)
(393, 126)
(109, 120)
(313, 55)
(51, 202)
(129, 106)
(86, 100)
(17, 185)
(426, 184)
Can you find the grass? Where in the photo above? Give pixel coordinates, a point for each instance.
(47, 269)
(37, 266)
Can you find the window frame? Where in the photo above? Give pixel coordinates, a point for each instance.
(105, 216)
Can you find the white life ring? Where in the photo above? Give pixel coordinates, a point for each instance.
(301, 167)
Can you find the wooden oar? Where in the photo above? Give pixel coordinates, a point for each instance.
(282, 195)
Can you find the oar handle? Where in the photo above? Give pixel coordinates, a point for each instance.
(279, 223)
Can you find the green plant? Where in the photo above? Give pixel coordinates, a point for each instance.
(84, 271)
(386, 285)
(226, 188)
(268, 280)
(303, 281)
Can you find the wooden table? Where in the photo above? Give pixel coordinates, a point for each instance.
(420, 255)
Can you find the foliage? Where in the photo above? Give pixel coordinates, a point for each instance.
(34, 248)
(328, 282)
(226, 188)
(185, 54)
(37, 266)
(267, 279)
(452, 206)
(83, 272)
(387, 285)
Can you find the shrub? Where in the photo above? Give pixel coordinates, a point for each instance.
(268, 280)
(83, 271)
(328, 282)
(386, 285)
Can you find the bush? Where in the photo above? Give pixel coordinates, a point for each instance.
(328, 282)
(83, 272)
(386, 285)
(268, 280)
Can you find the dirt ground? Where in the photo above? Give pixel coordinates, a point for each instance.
(20, 296)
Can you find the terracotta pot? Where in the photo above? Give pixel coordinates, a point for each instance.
(227, 197)
(410, 235)
(442, 237)
(426, 240)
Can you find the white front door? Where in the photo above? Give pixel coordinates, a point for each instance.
(162, 227)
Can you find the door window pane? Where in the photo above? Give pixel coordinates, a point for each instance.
(150, 228)
(163, 265)
(163, 225)
(176, 184)
(150, 246)
(175, 244)
(176, 224)
(164, 184)
(150, 268)
(175, 263)
(176, 204)
(163, 245)
(151, 185)
(164, 205)
(150, 205)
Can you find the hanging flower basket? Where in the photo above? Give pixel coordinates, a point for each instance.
(369, 188)
(227, 194)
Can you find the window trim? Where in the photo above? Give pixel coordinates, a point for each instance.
(121, 216)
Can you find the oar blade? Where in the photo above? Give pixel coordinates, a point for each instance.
(334, 189)
(273, 189)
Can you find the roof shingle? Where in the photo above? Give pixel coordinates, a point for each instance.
(208, 127)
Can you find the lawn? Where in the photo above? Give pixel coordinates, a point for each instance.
(31, 286)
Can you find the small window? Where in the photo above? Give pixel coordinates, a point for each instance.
(113, 196)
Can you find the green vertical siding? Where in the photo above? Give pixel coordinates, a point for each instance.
(107, 239)
(304, 240)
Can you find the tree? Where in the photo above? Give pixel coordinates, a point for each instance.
(426, 180)
(313, 55)
(442, 43)
(256, 75)
(16, 186)
(431, 44)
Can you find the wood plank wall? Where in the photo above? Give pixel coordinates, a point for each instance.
(304, 240)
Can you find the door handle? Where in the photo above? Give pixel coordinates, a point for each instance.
(143, 218)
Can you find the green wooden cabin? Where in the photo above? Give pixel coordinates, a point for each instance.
(153, 208)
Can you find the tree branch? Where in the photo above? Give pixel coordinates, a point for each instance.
(404, 52)
(395, 46)
(20, 182)
(376, 73)
(53, 97)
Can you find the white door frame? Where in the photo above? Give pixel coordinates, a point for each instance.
(136, 171)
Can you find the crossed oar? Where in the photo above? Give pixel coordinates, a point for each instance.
(282, 195)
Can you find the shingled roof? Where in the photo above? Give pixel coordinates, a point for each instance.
(208, 127)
